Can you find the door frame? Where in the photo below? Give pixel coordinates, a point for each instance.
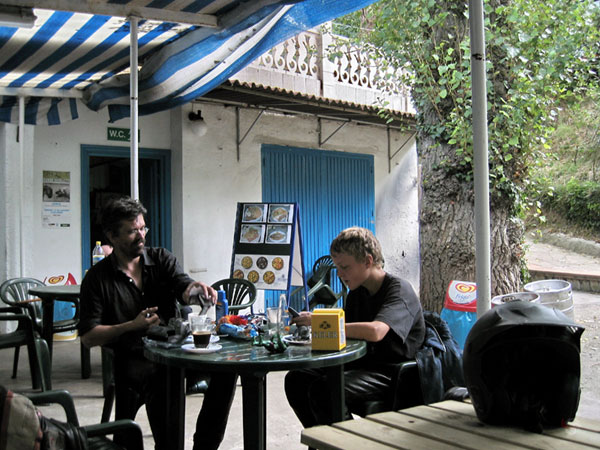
(164, 158)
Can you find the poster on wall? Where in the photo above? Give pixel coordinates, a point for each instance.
(267, 245)
(56, 199)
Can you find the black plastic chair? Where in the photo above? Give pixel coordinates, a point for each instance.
(320, 291)
(96, 433)
(37, 348)
(441, 361)
(240, 293)
(405, 392)
(15, 292)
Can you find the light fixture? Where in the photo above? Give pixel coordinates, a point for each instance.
(16, 16)
(198, 125)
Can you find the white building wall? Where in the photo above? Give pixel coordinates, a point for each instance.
(207, 183)
(215, 182)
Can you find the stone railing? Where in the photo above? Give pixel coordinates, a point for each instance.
(302, 64)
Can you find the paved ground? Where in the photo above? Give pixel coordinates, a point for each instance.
(587, 313)
(283, 428)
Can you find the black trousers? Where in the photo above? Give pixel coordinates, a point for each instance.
(212, 419)
(140, 382)
(308, 394)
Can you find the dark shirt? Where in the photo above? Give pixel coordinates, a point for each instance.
(397, 305)
(110, 297)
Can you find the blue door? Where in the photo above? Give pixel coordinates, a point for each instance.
(334, 190)
(105, 173)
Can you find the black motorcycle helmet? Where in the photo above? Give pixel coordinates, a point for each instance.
(521, 366)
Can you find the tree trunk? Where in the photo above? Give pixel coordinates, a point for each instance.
(447, 231)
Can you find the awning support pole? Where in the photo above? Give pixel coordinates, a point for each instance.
(133, 90)
(480, 158)
(21, 139)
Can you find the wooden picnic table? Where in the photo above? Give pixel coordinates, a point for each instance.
(445, 425)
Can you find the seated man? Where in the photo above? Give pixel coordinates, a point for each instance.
(130, 290)
(381, 309)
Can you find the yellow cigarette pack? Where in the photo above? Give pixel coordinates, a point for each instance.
(328, 329)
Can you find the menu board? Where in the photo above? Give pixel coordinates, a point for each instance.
(267, 245)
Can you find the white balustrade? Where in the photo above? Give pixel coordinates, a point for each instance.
(350, 76)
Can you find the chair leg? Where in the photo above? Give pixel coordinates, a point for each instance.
(109, 399)
(40, 365)
(86, 365)
(35, 366)
(16, 362)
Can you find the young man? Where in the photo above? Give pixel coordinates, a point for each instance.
(130, 290)
(381, 309)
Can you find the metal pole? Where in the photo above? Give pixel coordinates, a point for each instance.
(480, 157)
(133, 89)
(21, 138)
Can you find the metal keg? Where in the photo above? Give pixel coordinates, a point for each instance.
(554, 294)
(531, 297)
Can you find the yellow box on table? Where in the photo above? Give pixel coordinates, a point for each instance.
(328, 329)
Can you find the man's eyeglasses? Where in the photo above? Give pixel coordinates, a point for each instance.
(142, 231)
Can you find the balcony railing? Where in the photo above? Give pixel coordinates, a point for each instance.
(302, 64)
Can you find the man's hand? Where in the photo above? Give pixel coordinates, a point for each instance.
(146, 318)
(201, 289)
(105, 334)
(304, 319)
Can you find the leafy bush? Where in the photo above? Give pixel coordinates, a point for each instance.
(577, 201)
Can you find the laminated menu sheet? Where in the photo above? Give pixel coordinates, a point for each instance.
(267, 248)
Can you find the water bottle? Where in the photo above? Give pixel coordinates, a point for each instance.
(222, 307)
(97, 253)
(284, 320)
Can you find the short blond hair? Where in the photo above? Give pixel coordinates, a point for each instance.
(358, 242)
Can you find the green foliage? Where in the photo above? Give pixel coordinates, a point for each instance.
(576, 142)
(577, 201)
(538, 53)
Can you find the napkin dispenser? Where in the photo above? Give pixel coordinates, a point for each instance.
(328, 329)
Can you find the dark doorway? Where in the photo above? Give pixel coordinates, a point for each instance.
(106, 174)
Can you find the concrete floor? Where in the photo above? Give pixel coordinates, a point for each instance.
(283, 429)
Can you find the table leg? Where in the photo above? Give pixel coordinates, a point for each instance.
(86, 364)
(176, 407)
(254, 398)
(335, 382)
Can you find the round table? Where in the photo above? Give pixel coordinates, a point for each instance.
(252, 363)
(50, 294)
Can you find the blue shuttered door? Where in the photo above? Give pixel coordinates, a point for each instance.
(334, 190)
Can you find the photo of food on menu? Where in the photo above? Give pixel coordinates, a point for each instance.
(280, 213)
(254, 213)
(278, 234)
(252, 234)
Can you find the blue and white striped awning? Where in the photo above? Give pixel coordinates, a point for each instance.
(78, 50)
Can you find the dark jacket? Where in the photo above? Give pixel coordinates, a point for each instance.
(439, 360)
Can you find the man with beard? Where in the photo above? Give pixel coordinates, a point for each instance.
(123, 295)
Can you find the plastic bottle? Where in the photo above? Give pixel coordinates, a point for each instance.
(285, 316)
(97, 253)
(222, 307)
